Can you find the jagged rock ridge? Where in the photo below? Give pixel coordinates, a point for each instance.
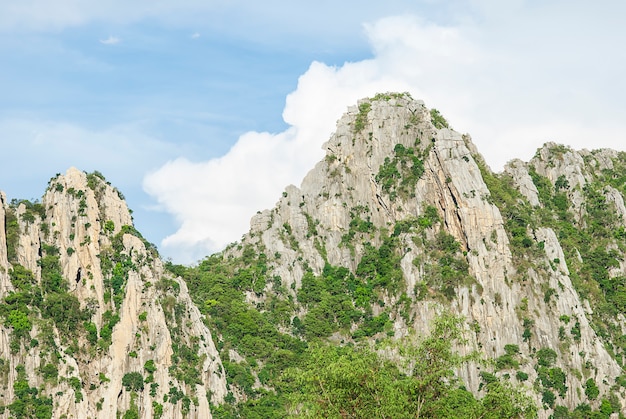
(403, 209)
(396, 178)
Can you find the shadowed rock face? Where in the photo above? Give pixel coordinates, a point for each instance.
(532, 257)
(126, 315)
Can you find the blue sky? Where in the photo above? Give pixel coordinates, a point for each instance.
(202, 111)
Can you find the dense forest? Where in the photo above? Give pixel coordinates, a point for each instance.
(300, 373)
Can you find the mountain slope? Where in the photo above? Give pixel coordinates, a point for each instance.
(91, 321)
(410, 209)
(401, 243)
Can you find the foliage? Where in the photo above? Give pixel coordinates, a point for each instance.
(12, 231)
(64, 309)
(508, 360)
(380, 268)
(133, 381)
(430, 217)
(109, 320)
(21, 278)
(116, 266)
(514, 208)
(157, 409)
(49, 372)
(357, 225)
(186, 361)
(28, 403)
(337, 300)
(94, 179)
(437, 119)
(448, 268)
(92, 332)
(52, 301)
(347, 381)
(344, 382)
(240, 375)
(20, 323)
(149, 366)
(51, 277)
(133, 410)
(399, 175)
(361, 117)
(553, 378)
(546, 357)
(109, 226)
(591, 389)
(391, 95)
(219, 286)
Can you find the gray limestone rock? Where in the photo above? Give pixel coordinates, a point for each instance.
(348, 184)
(85, 223)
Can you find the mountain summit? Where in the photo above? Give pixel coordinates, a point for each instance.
(401, 225)
(532, 258)
(92, 324)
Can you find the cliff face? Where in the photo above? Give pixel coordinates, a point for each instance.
(398, 184)
(90, 317)
(402, 220)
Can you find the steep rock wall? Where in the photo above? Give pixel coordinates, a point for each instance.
(520, 293)
(130, 319)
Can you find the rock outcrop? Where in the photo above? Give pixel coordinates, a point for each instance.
(402, 213)
(91, 318)
(395, 173)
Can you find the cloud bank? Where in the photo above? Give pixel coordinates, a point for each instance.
(503, 84)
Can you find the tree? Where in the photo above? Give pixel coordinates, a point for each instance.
(591, 389)
(356, 382)
(434, 361)
(341, 382)
(133, 381)
(505, 401)
(20, 323)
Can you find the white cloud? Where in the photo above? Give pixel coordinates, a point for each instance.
(196, 35)
(511, 88)
(111, 40)
(220, 195)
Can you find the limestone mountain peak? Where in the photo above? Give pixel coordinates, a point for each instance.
(401, 221)
(100, 320)
(397, 181)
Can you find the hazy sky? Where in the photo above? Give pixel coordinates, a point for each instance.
(202, 111)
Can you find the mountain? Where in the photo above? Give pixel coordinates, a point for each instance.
(532, 258)
(93, 326)
(402, 260)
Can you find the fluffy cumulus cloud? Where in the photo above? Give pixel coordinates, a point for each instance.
(504, 84)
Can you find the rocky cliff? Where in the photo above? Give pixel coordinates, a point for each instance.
(93, 326)
(401, 221)
(530, 258)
